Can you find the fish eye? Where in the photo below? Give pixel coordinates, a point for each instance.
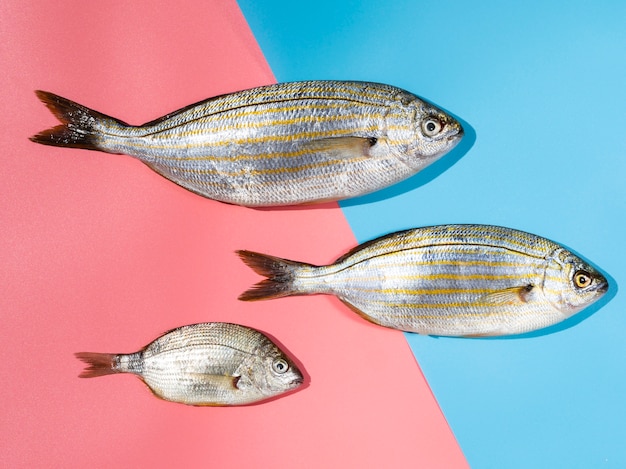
(280, 366)
(431, 127)
(582, 279)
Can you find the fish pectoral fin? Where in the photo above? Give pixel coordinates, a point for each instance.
(218, 381)
(345, 147)
(508, 296)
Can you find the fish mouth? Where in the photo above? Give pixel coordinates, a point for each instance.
(455, 137)
(602, 286)
(455, 133)
(460, 131)
(296, 382)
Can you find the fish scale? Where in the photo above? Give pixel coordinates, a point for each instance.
(452, 280)
(281, 144)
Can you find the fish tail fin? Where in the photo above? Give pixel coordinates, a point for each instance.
(280, 273)
(99, 364)
(79, 124)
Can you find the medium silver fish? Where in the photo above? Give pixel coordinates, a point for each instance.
(208, 364)
(283, 144)
(450, 280)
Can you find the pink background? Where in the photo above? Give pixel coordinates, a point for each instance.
(98, 253)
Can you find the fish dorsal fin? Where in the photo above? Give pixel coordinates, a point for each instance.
(367, 244)
(508, 296)
(343, 147)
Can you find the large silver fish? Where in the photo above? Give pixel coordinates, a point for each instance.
(283, 144)
(450, 280)
(208, 364)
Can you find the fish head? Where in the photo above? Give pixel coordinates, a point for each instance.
(571, 284)
(434, 133)
(269, 372)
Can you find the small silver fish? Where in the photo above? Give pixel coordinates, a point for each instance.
(207, 364)
(450, 280)
(283, 144)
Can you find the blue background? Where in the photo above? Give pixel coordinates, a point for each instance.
(541, 90)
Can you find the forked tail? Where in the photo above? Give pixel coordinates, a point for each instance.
(99, 364)
(79, 124)
(280, 273)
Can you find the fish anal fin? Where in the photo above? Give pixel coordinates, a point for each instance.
(344, 147)
(358, 311)
(319, 201)
(482, 335)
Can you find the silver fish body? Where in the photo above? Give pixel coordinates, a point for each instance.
(282, 144)
(207, 364)
(450, 280)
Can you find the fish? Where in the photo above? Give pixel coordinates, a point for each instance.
(205, 364)
(447, 280)
(282, 144)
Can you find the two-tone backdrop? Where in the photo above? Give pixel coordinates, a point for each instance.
(98, 253)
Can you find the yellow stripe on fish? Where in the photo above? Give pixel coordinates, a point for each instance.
(306, 136)
(276, 123)
(346, 138)
(452, 280)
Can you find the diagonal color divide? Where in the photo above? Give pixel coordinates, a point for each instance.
(538, 85)
(101, 254)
